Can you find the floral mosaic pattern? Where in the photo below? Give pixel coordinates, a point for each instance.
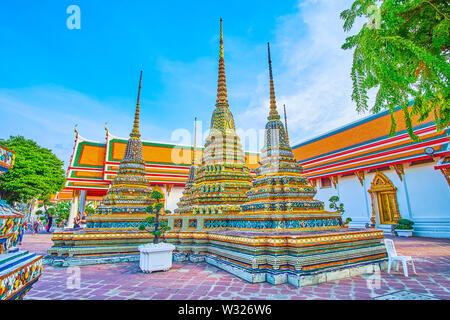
(6, 157)
(18, 280)
(272, 224)
(10, 222)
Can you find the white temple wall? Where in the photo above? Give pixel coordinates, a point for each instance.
(324, 194)
(173, 197)
(429, 195)
(351, 194)
(423, 196)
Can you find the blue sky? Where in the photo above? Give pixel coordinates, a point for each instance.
(53, 78)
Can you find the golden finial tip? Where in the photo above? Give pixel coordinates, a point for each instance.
(135, 131)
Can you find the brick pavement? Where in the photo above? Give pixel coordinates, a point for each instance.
(201, 281)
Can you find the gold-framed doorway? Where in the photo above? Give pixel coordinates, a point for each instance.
(384, 200)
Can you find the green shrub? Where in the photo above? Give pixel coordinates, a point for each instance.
(404, 224)
(334, 205)
(160, 227)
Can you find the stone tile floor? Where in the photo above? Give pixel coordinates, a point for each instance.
(201, 281)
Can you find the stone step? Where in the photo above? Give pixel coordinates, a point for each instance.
(13, 260)
(11, 255)
(387, 228)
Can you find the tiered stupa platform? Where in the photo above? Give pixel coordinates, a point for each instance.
(280, 233)
(19, 269)
(269, 230)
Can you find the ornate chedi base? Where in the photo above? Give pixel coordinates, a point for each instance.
(298, 257)
(299, 260)
(19, 269)
(92, 246)
(280, 234)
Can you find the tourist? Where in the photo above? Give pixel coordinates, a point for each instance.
(49, 223)
(21, 231)
(35, 226)
(83, 219)
(77, 221)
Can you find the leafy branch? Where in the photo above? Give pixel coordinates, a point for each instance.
(160, 227)
(405, 57)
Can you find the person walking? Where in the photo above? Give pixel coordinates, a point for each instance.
(49, 222)
(77, 221)
(35, 226)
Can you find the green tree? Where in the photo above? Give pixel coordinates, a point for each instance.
(62, 212)
(89, 208)
(402, 52)
(159, 227)
(48, 209)
(334, 205)
(37, 172)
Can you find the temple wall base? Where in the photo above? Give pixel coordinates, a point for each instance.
(303, 259)
(297, 280)
(252, 277)
(433, 228)
(359, 223)
(180, 257)
(328, 276)
(76, 261)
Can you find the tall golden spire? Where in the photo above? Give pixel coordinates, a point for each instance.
(135, 131)
(285, 124)
(195, 141)
(273, 115)
(221, 40)
(222, 100)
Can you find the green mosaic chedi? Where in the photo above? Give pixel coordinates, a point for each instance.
(130, 190)
(221, 182)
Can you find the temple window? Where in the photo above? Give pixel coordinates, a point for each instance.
(385, 168)
(325, 183)
(348, 174)
(423, 161)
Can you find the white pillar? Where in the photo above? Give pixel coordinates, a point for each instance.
(82, 205)
(408, 203)
(369, 213)
(74, 208)
(361, 221)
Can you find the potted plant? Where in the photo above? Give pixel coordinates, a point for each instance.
(155, 256)
(404, 228)
(334, 204)
(347, 221)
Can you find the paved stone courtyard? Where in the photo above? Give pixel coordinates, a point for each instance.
(201, 281)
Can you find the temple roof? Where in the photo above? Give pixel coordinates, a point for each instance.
(365, 144)
(94, 164)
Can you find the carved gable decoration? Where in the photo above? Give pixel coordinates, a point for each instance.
(381, 183)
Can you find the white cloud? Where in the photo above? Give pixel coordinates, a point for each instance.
(312, 72)
(48, 114)
(312, 77)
